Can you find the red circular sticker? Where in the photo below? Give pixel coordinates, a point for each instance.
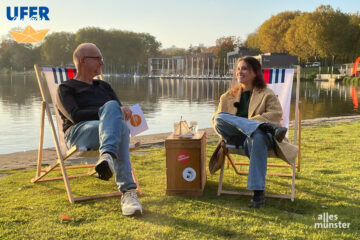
(183, 157)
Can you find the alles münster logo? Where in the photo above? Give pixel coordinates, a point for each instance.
(326, 220)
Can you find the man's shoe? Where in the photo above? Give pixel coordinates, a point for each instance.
(105, 166)
(130, 204)
(277, 131)
(258, 200)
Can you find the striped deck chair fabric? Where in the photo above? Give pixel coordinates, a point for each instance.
(54, 77)
(281, 82)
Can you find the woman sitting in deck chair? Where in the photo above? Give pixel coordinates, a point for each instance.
(249, 116)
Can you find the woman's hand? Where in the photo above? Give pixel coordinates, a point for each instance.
(127, 113)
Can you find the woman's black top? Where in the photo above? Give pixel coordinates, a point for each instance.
(243, 106)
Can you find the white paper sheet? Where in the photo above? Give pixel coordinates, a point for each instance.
(137, 124)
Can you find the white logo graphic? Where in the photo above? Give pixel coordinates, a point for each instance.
(189, 174)
(327, 220)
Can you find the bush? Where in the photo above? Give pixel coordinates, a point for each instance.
(352, 81)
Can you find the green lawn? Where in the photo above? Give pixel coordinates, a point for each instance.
(328, 182)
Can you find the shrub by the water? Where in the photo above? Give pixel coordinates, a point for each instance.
(351, 81)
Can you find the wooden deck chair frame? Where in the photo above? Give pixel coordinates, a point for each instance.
(297, 141)
(62, 154)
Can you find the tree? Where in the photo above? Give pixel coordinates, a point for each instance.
(58, 48)
(324, 33)
(17, 56)
(355, 32)
(271, 34)
(223, 46)
(5, 60)
(174, 52)
(298, 37)
(151, 45)
(212, 50)
(93, 35)
(122, 50)
(21, 56)
(5, 53)
(235, 41)
(150, 48)
(253, 41)
(331, 34)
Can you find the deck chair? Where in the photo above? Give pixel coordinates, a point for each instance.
(280, 81)
(53, 77)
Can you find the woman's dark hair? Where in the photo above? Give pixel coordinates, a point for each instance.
(255, 66)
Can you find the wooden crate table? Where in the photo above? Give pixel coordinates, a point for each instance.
(186, 165)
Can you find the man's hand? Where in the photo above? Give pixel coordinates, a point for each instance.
(127, 113)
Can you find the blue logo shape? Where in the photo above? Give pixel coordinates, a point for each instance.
(33, 13)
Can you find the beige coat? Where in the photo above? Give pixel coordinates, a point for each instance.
(264, 106)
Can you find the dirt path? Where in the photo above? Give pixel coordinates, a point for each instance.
(27, 159)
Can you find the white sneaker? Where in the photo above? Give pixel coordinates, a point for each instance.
(105, 166)
(130, 204)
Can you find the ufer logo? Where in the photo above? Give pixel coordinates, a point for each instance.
(26, 14)
(29, 35)
(31, 12)
(135, 120)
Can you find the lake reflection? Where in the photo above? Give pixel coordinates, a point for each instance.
(163, 102)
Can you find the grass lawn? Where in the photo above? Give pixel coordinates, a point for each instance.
(327, 183)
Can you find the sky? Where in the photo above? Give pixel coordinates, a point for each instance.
(178, 23)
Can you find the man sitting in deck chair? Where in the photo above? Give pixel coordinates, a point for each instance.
(95, 119)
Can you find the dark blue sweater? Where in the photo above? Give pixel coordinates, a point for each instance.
(79, 101)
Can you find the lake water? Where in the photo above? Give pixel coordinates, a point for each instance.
(163, 102)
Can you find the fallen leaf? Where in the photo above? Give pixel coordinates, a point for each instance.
(66, 218)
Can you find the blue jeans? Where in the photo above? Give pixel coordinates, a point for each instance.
(246, 133)
(108, 134)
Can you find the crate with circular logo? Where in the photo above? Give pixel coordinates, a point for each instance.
(186, 165)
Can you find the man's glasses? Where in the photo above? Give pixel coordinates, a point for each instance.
(97, 58)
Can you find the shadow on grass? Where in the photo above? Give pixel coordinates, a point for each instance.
(327, 171)
(277, 203)
(299, 206)
(183, 225)
(333, 185)
(79, 186)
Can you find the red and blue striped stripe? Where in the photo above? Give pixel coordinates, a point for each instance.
(272, 76)
(63, 74)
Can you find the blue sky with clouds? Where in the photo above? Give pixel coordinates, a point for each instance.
(178, 23)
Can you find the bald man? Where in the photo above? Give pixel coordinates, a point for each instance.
(93, 118)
